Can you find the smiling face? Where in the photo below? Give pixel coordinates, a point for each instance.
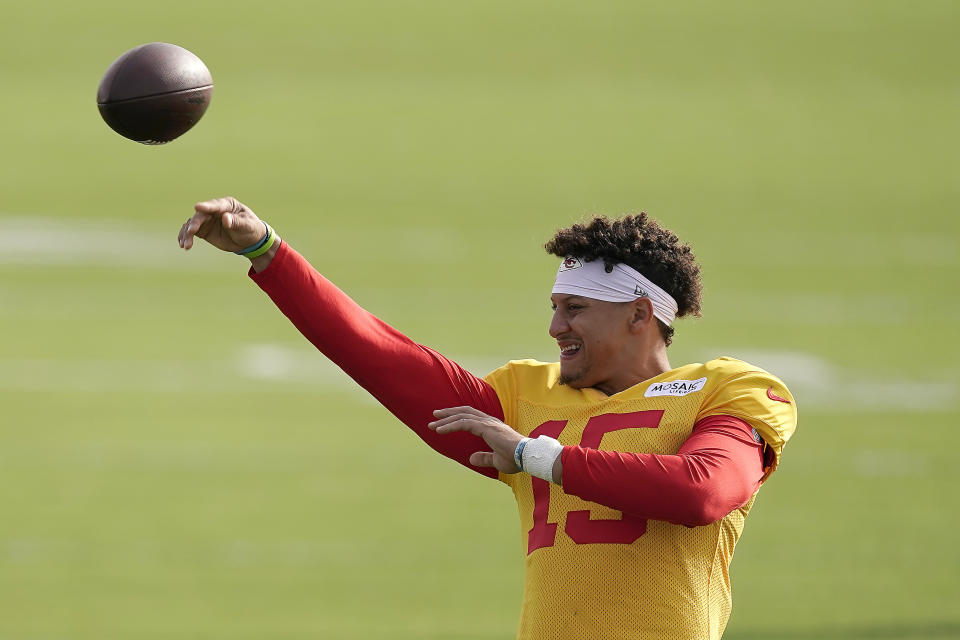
(597, 346)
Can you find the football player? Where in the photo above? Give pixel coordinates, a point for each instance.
(633, 477)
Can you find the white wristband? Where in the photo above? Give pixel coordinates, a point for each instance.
(539, 456)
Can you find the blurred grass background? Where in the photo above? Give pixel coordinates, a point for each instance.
(176, 462)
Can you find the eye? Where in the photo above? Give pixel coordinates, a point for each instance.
(569, 307)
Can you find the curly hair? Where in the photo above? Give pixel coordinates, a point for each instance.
(639, 242)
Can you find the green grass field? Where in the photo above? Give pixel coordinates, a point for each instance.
(177, 462)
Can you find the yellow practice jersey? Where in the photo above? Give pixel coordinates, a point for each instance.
(595, 573)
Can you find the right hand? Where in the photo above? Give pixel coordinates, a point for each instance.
(225, 223)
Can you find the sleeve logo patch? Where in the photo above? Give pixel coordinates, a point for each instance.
(773, 396)
(570, 263)
(675, 388)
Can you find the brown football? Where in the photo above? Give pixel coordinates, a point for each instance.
(154, 93)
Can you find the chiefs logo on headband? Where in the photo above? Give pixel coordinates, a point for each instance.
(570, 263)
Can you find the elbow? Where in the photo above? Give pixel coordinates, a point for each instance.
(701, 517)
(706, 507)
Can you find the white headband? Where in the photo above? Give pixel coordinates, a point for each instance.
(623, 284)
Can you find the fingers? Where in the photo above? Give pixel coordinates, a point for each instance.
(483, 459)
(462, 419)
(499, 436)
(457, 422)
(450, 411)
(224, 208)
(490, 459)
(190, 229)
(219, 206)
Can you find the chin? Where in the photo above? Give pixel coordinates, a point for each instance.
(575, 379)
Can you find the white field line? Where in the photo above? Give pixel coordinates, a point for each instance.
(863, 248)
(51, 241)
(817, 384)
(890, 463)
(62, 242)
(293, 553)
(169, 376)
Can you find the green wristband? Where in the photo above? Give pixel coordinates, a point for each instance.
(271, 240)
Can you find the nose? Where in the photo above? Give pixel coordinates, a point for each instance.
(558, 325)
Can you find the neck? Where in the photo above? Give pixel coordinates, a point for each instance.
(649, 366)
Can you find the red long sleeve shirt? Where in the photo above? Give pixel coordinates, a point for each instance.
(717, 469)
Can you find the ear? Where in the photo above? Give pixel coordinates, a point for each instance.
(641, 316)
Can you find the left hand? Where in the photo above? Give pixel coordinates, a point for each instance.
(498, 435)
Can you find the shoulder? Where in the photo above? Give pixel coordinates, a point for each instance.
(708, 376)
(531, 382)
(726, 370)
(725, 367)
(731, 379)
(737, 388)
(524, 374)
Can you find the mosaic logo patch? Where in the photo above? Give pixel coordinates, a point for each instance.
(674, 388)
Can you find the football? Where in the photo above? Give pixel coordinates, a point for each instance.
(154, 93)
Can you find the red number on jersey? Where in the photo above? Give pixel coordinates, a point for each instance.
(581, 528)
(543, 533)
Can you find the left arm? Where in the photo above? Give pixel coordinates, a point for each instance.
(717, 469)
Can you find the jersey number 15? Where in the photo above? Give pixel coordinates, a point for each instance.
(581, 528)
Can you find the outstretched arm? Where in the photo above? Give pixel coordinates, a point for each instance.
(409, 379)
